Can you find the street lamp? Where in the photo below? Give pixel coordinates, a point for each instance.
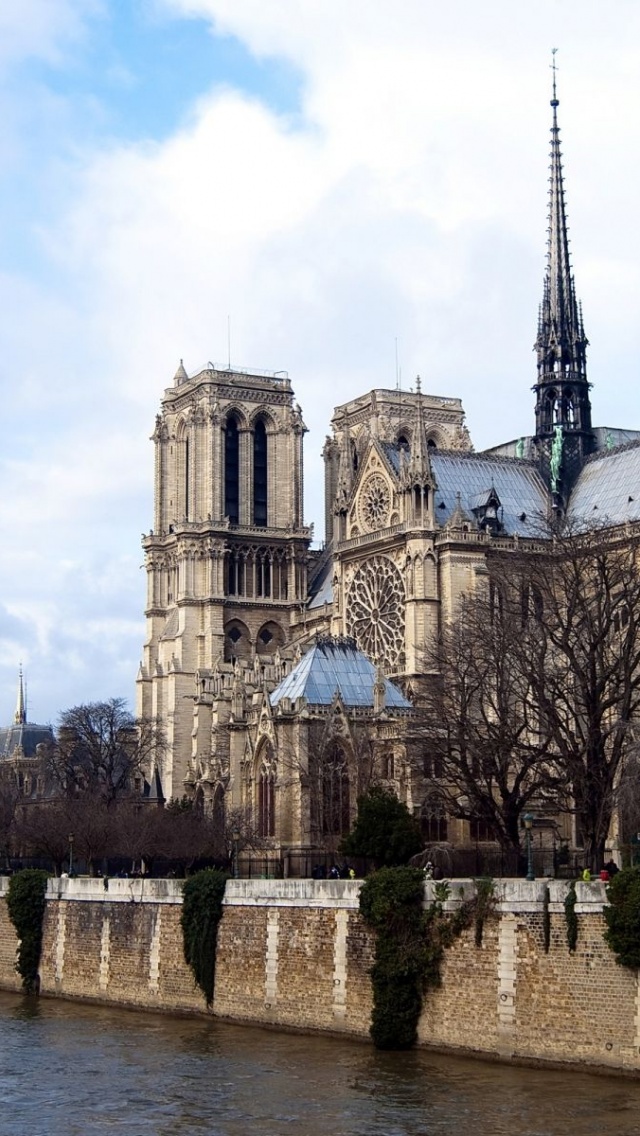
(528, 825)
(71, 839)
(235, 836)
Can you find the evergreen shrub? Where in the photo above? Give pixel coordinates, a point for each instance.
(25, 904)
(201, 913)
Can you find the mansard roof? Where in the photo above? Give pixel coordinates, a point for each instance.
(608, 487)
(518, 484)
(336, 667)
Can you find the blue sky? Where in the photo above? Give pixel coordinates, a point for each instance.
(332, 175)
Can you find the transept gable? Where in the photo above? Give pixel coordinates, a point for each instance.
(374, 503)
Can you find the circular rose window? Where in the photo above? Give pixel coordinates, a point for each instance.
(375, 610)
(375, 503)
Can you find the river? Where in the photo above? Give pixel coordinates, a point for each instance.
(68, 1069)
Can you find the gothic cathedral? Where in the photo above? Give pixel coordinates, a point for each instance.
(283, 675)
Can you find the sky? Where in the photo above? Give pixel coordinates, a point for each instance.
(339, 183)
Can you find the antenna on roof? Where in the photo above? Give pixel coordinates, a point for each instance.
(398, 382)
(229, 343)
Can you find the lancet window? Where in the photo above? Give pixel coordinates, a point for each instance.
(336, 812)
(260, 474)
(266, 794)
(232, 471)
(257, 573)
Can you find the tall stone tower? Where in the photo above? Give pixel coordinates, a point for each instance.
(227, 557)
(564, 435)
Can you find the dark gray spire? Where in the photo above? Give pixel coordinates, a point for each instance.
(563, 408)
(561, 344)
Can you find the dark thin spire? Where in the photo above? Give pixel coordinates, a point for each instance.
(20, 715)
(561, 343)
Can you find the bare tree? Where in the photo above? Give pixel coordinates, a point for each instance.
(477, 723)
(581, 657)
(102, 749)
(9, 799)
(43, 829)
(536, 685)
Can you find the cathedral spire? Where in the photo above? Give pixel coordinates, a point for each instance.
(561, 343)
(20, 715)
(563, 409)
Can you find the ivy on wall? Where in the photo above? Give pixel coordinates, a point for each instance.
(201, 913)
(623, 917)
(25, 904)
(570, 916)
(409, 947)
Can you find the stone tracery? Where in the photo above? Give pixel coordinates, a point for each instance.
(375, 610)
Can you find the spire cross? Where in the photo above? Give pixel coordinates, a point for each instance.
(554, 68)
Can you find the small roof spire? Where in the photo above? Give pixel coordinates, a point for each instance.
(417, 471)
(20, 715)
(181, 375)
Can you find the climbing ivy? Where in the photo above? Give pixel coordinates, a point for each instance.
(410, 943)
(483, 905)
(25, 904)
(623, 917)
(201, 913)
(571, 917)
(546, 920)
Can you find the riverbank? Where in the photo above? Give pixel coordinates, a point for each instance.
(295, 954)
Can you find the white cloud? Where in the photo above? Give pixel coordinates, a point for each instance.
(43, 29)
(406, 199)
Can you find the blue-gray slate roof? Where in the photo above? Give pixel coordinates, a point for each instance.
(25, 736)
(522, 492)
(608, 488)
(333, 667)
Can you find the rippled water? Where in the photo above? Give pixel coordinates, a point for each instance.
(81, 1071)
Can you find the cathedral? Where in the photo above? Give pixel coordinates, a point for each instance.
(283, 675)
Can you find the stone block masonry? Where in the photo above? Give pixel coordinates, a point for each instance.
(295, 954)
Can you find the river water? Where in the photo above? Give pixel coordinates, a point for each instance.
(73, 1070)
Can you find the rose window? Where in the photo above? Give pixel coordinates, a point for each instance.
(375, 611)
(375, 503)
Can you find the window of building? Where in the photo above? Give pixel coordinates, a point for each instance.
(232, 471)
(260, 474)
(433, 821)
(267, 796)
(480, 829)
(336, 813)
(433, 766)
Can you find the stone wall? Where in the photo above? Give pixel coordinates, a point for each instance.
(295, 953)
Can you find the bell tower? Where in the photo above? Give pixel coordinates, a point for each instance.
(226, 560)
(563, 435)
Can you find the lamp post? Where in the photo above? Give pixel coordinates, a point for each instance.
(528, 825)
(235, 836)
(71, 839)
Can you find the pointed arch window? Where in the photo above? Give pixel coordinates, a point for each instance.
(232, 471)
(267, 795)
(260, 474)
(336, 812)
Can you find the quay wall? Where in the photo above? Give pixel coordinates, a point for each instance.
(295, 954)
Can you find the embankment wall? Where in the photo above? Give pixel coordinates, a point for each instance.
(295, 953)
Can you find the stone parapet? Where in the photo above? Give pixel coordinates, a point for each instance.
(296, 954)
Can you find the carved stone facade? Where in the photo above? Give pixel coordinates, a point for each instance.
(227, 557)
(238, 603)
